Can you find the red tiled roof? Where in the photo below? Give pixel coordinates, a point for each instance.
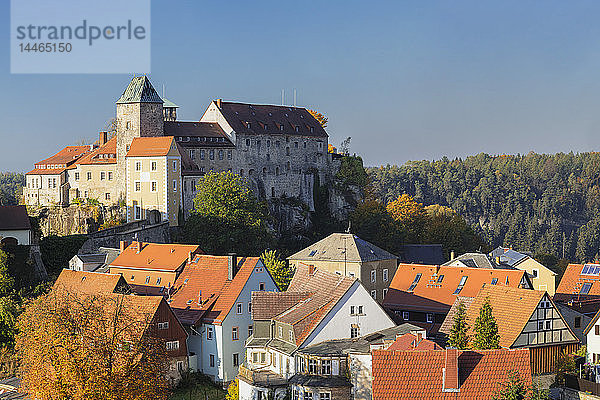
(88, 282)
(572, 281)
(432, 294)
(98, 155)
(150, 146)
(60, 161)
(155, 256)
(408, 341)
(419, 374)
(14, 218)
(266, 305)
(206, 277)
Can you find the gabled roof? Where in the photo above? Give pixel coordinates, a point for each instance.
(508, 256)
(419, 375)
(105, 154)
(342, 247)
(511, 307)
(573, 281)
(14, 218)
(155, 256)
(139, 90)
(591, 323)
(204, 292)
(436, 293)
(449, 320)
(89, 282)
(473, 260)
(431, 254)
(266, 305)
(151, 146)
(326, 290)
(194, 134)
(295, 120)
(60, 161)
(409, 341)
(168, 103)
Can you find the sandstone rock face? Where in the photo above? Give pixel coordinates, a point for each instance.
(75, 219)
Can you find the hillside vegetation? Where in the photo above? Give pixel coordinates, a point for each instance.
(11, 187)
(546, 204)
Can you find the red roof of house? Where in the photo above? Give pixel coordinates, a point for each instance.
(150, 146)
(155, 256)
(60, 161)
(203, 290)
(105, 154)
(572, 281)
(89, 282)
(436, 288)
(420, 374)
(409, 341)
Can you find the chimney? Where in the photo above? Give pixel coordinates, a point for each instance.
(451, 254)
(311, 270)
(137, 245)
(123, 245)
(190, 257)
(450, 373)
(103, 138)
(219, 103)
(232, 266)
(498, 260)
(199, 297)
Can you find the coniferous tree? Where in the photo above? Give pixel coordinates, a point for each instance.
(458, 333)
(486, 329)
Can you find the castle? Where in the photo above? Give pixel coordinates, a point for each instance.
(154, 161)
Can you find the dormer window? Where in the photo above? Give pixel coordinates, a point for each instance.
(281, 127)
(297, 128)
(248, 125)
(312, 129)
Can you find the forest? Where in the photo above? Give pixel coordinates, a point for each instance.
(543, 204)
(11, 187)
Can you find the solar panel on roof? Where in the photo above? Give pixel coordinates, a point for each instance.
(591, 269)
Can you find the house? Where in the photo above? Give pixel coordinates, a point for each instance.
(348, 255)
(525, 318)
(150, 268)
(14, 226)
(90, 282)
(592, 333)
(446, 374)
(472, 260)
(413, 341)
(94, 262)
(153, 166)
(212, 298)
(423, 294)
(576, 319)
(542, 278)
(341, 368)
(318, 306)
(580, 282)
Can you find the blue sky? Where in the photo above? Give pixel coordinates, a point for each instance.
(406, 80)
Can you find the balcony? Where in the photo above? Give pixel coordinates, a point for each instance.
(261, 378)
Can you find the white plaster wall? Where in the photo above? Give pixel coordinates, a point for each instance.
(22, 236)
(336, 325)
(593, 343)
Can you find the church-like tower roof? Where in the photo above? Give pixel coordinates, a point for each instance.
(139, 90)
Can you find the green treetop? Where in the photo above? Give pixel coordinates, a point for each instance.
(486, 329)
(458, 333)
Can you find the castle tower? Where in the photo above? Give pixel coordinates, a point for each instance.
(139, 114)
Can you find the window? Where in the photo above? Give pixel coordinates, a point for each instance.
(89, 176)
(138, 186)
(287, 151)
(494, 281)
(461, 284)
(545, 304)
(384, 292)
(106, 196)
(211, 154)
(373, 276)
(308, 396)
(147, 279)
(374, 294)
(597, 330)
(239, 308)
(249, 308)
(174, 166)
(354, 331)
(360, 310)
(212, 360)
(192, 154)
(153, 186)
(163, 325)
(137, 211)
(577, 322)
(385, 275)
(291, 335)
(535, 273)
(229, 155)
(174, 185)
(202, 154)
(153, 165)
(128, 125)
(110, 175)
(209, 333)
(430, 318)
(248, 142)
(138, 165)
(324, 396)
(76, 176)
(540, 325)
(172, 346)
(352, 310)
(261, 286)
(326, 367)
(281, 332)
(234, 333)
(585, 288)
(236, 359)
(312, 366)
(250, 330)
(220, 154)
(102, 175)
(405, 315)
(415, 282)
(158, 281)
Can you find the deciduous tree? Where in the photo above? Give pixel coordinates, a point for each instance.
(319, 117)
(278, 268)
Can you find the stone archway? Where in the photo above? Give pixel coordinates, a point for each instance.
(9, 241)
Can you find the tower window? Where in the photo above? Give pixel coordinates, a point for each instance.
(128, 125)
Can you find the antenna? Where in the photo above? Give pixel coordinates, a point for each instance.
(282, 97)
(163, 90)
(294, 98)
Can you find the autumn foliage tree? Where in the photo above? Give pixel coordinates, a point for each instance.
(411, 214)
(321, 118)
(281, 272)
(87, 347)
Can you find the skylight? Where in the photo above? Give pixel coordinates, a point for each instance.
(591, 269)
(494, 281)
(440, 279)
(585, 288)
(312, 253)
(461, 284)
(415, 282)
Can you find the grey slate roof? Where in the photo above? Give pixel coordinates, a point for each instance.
(333, 246)
(9, 389)
(358, 345)
(508, 256)
(168, 103)
(14, 218)
(474, 260)
(139, 90)
(427, 254)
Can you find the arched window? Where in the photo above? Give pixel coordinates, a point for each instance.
(241, 172)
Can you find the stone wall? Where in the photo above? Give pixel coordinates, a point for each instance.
(75, 219)
(138, 230)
